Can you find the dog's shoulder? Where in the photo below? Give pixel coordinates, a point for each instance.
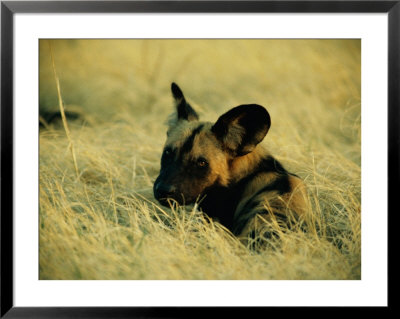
(271, 191)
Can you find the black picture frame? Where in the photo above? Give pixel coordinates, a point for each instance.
(9, 8)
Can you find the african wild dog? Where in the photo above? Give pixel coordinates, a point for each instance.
(222, 165)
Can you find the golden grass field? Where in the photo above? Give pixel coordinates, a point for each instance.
(98, 219)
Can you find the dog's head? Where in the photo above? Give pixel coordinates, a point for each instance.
(198, 155)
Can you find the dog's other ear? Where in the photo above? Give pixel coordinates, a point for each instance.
(242, 128)
(184, 110)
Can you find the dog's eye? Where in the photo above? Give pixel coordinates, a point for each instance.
(167, 152)
(201, 162)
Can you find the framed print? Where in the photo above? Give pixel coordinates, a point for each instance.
(163, 155)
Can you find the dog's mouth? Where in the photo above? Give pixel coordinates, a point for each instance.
(175, 200)
(170, 196)
(167, 202)
(172, 201)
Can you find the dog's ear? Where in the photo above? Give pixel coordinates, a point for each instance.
(184, 110)
(242, 128)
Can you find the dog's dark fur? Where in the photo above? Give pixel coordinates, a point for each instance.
(223, 166)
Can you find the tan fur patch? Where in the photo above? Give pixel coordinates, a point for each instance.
(206, 145)
(243, 165)
(180, 132)
(293, 204)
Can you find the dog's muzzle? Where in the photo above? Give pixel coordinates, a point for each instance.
(163, 191)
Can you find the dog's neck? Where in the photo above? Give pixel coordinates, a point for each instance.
(221, 201)
(242, 166)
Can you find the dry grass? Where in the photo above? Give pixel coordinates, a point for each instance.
(106, 224)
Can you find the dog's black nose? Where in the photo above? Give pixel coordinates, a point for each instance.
(162, 191)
